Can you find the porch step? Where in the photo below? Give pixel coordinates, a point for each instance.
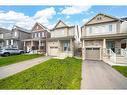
(121, 59)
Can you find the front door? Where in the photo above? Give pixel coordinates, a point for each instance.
(111, 45)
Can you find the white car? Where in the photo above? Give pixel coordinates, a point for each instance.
(10, 51)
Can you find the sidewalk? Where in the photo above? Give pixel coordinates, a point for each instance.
(9, 70)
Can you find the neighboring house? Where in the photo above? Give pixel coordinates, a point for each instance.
(12, 38)
(17, 35)
(37, 41)
(104, 38)
(62, 41)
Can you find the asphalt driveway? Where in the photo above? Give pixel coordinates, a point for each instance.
(99, 75)
(9, 70)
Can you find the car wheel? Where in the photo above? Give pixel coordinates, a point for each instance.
(21, 52)
(6, 54)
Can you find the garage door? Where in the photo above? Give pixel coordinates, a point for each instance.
(53, 51)
(93, 53)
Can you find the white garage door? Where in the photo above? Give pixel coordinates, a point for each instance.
(53, 51)
(93, 53)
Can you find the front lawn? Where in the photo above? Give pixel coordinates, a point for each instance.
(121, 69)
(52, 74)
(17, 58)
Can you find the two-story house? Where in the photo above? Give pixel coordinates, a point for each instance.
(37, 41)
(62, 41)
(13, 38)
(104, 38)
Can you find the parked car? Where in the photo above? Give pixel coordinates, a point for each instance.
(10, 51)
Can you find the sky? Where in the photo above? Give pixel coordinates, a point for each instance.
(27, 16)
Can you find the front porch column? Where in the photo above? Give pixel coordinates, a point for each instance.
(71, 47)
(83, 50)
(104, 50)
(104, 43)
(24, 44)
(46, 48)
(7, 42)
(31, 45)
(39, 45)
(59, 48)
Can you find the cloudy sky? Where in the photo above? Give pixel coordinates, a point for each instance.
(26, 16)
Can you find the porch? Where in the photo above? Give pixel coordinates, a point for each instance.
(110, 48)
(35, 45)
(115, 51)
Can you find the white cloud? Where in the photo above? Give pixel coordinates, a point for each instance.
(67, 17)
(44, 15)
(10, 18)
(75, 10)
(85, 20)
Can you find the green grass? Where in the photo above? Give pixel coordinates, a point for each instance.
(17, 58)
(121, 69)
(52, 74)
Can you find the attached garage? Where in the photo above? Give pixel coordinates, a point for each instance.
(92, 53)
(53, 51)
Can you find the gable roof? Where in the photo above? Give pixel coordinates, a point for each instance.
(21, 29)
(60, 21)
(3, 30)
(112, 17)
(43, 27)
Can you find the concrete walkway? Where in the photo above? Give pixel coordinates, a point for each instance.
(9, 70)
(99, 75)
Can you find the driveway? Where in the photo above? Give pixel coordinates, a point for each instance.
(99, 75)
(9, 70)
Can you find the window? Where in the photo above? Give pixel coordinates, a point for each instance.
(99, 18)
(110, 28)
(90, 30)
(15, 33)
(66, 46)
(42, 34)
(1, 35)
(35, 35)
(38, 34)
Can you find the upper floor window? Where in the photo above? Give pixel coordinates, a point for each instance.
(38, 34)
(99, 18)
(110, 28)
(15, 34)
(90, 29)
(42, 34)
(35, 35)
(1, 35)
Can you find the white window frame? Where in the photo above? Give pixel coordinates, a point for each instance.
(1, 35)
(90, 30)
(42, 34)
(110, 28)
(39, 34)
(35, 35)
(15, 33)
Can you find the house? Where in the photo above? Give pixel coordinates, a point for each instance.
(37, 41)
(12, 38)
(62, 41)
(104, 37)
(17, 35)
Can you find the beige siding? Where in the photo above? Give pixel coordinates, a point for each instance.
(61, 24)
(104, 19)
